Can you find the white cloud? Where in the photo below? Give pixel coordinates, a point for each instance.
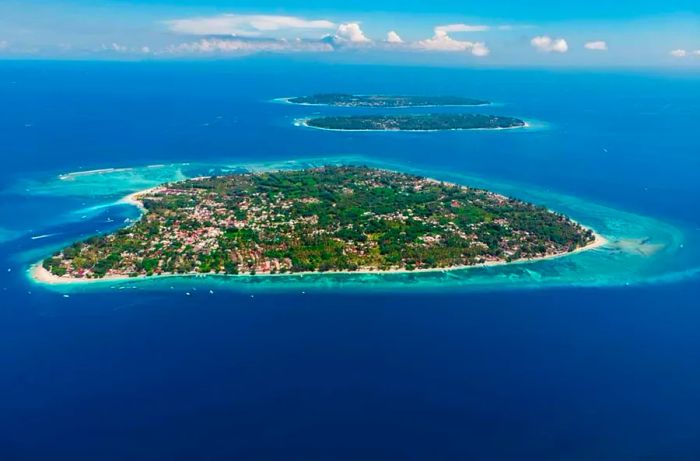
(116, 47)
(393, 37)
(4, 44)
(679, 53)
(447, 28)
(480, 49)
(209, 46)
(351, 32)
(441, 41)
(478, 27)
(597, 45)
(548, 44)
(246, 25)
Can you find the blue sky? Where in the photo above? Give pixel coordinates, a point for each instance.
(487, 33)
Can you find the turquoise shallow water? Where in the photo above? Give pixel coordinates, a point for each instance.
(639, 249)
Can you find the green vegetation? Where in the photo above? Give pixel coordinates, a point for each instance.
(322, 219)
(386, 101)
(426, 122)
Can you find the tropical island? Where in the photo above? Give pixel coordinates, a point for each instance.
(383, 101)
(420, 122)
(337, 219)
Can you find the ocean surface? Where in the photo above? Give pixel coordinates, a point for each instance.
(590, 356)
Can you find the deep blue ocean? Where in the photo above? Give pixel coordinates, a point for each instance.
(255, 371)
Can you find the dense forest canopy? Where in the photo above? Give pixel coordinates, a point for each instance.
(423, 122)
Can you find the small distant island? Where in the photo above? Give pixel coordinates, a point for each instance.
(383, 101)
(337, 219)
(421, 122)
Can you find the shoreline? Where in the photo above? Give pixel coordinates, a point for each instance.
(38, 274)
(303, 122)
(287, 100)
(132, 199)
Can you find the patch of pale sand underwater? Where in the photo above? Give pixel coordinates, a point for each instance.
(641, 246)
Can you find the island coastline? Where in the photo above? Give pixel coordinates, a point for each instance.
(41, 275)
(133, 198)
(288, 100)
(303, 122)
